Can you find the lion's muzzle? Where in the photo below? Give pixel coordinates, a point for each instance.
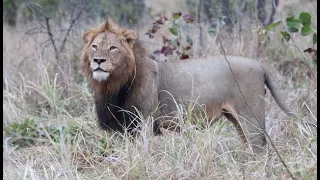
(100, 75)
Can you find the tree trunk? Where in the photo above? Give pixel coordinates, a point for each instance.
(275, 4)
(227, 15)
(200, 27)
(208, 11)
(261, 12)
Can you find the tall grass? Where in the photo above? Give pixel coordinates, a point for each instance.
(53, 112)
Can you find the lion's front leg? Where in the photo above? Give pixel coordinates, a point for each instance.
(168, 123)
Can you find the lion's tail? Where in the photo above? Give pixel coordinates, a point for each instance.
(280, 101)
(271, 86)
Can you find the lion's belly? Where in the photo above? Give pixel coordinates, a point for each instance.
(196, 94)
(194, 86)
(198, 107)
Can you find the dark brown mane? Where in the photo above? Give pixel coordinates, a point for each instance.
(111, 108)
(111, 95)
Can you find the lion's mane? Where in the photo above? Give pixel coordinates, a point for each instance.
(110, 96)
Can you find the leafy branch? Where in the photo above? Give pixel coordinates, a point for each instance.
(302, 25)
(175, 44)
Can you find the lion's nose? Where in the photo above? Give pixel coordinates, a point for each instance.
(99, 61)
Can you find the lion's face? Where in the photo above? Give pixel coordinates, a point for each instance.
(105, 55)
(107, 58)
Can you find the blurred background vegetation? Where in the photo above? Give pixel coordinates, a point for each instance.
(128, 12)
(125, 11)
(61, 23)
(47, 102)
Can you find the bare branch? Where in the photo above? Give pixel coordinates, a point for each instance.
(35, 31)
(261, 12)
(72, 23)
(56, 52)
(239, 10)
(199, 10)
(39, 9)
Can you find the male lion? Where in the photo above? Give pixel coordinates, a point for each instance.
(124, 79)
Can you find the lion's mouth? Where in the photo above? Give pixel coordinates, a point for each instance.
(99, 69)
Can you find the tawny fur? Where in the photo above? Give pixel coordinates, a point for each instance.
(136, 81)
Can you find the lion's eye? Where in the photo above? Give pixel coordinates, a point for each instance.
(112, 48)
(94, 46)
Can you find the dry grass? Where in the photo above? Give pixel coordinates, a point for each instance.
(65, 142)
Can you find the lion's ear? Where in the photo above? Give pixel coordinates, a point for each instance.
(86, 36)
(130, 36)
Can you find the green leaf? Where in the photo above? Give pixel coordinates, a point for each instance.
(306, 30)
(293, 24)
(212, 31)
(273, 25)
(176, 15)
(285, 35)
(189, 40)
(174, 42)
(314, 38)
(174, 29)
(293, 30)
(305, 18)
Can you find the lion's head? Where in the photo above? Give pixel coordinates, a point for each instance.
(107, 57)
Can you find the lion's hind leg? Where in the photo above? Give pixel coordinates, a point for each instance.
(230, 113)
(253, 127)
(248, 127)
